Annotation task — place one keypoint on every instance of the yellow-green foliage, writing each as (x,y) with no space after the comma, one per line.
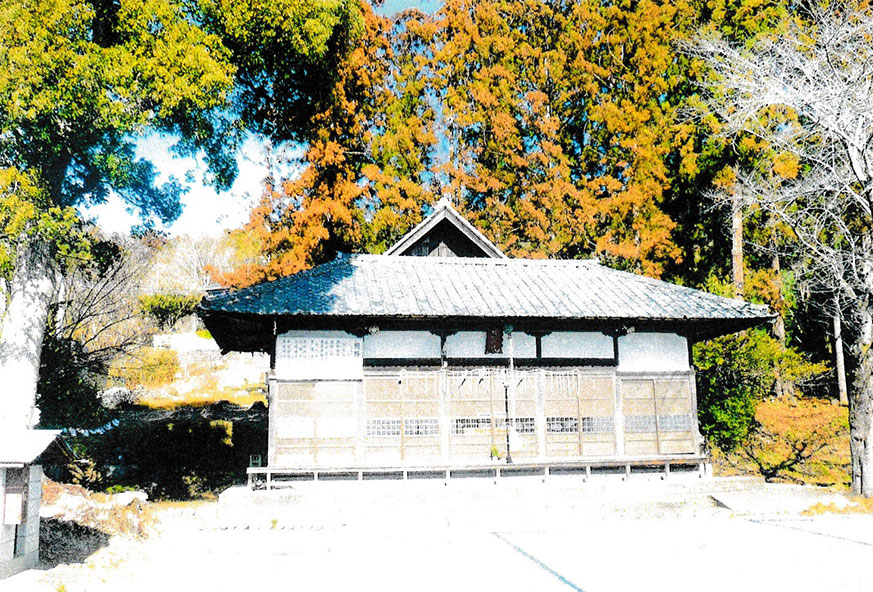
(147,367)
(79,80)
(205,334)
(25,209)
(166,309)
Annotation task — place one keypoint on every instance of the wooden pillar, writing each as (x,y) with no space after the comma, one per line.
(402,415)
(695,423)
(272,396)
(512,384)
(540,420)
(444,415)
(444,395)
(361,408)
(618,417)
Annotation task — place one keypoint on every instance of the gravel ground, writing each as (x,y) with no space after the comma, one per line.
(518,534)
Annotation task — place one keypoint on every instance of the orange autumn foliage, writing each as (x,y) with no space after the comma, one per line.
(360,187)
(556,128)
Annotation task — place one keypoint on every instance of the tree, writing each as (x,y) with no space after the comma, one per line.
(77,81)
(363,177)
(184,264)
(559,119)
(808,94)
(288,55)
(95,319)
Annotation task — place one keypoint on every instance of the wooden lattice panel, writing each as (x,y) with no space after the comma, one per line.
(402,417)
(579,414)
(315,423)
(658,416)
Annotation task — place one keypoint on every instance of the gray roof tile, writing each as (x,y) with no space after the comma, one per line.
(394,286)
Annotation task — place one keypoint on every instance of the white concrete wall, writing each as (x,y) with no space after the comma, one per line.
(575,344)
(348,364)
(402,344)
(652,352)
(10,565)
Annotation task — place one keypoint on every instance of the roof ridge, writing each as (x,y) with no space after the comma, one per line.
(475,260)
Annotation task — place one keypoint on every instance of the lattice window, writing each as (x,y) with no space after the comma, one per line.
(383,427)
(639,423)
(666,423)
(421,427)
(601,424)
(468,425)
(562,425)
(523,425)
(675,423)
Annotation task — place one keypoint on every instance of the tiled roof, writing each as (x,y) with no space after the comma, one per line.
(416,287)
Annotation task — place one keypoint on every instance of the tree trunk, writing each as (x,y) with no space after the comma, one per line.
(839,356)
(737,246)
(30,295)
(782,386)
(861,410)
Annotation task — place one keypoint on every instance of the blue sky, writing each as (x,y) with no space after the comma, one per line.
(394,6)
(205,211)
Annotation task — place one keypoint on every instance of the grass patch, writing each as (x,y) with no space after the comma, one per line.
(182,505)
(147,367)
(857,505)
(245,396)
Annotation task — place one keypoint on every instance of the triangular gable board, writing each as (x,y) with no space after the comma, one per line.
(445,233)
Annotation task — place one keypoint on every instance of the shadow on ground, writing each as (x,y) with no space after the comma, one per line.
(67,542)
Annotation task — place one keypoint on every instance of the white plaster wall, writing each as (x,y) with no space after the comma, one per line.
(326,367)
(471,344)
(402,344)
(652,352)
(576,344)
(523,345)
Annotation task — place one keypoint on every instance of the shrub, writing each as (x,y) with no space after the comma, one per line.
(167,309)
(734,373)
(67,390)
(804,442)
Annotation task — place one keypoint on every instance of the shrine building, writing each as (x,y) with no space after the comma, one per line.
(444,356)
